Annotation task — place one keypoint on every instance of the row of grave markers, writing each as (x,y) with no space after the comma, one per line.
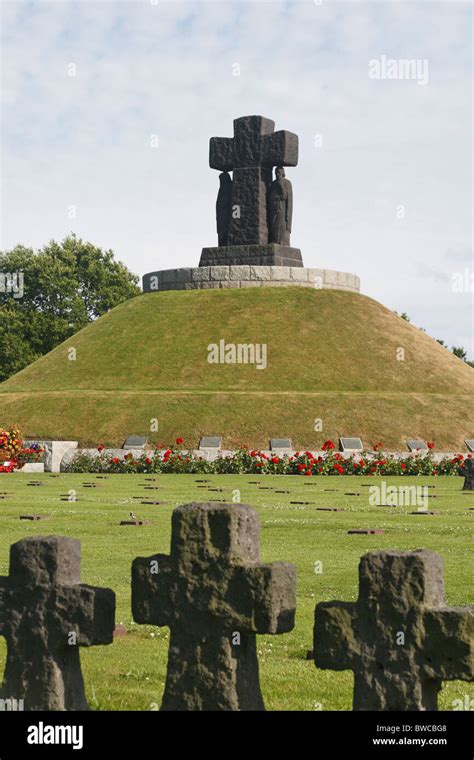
(283,444)
(399,638)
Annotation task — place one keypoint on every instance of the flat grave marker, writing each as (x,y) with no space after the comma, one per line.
(366,532)
(34,517)
(350,444)
(277,444)
(135,442)
(210,442)
(416,444)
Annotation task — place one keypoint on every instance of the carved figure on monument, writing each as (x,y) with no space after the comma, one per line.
(280,208)
(224,208)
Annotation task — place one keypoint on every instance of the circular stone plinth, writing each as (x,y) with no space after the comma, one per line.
(248,276)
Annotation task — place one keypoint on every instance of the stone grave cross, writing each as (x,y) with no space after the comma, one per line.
(251,154)
(46,614)
(398,638)
(468,475)
(215,596)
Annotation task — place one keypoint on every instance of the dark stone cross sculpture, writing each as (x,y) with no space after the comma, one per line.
(46,614)
(244,228)
(215,596)
(398,638)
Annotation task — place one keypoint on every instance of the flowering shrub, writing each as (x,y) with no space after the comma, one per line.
(10,444)
(257,462)
(32,454)
(13,452)
(328,445)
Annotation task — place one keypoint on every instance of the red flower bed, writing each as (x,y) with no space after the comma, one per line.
(331,463)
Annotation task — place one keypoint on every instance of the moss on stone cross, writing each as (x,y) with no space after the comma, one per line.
(215,596)
(46,614)
(398,638)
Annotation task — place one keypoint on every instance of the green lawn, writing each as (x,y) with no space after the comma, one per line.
(130,674)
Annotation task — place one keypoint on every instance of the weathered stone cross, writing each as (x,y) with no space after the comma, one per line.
(251,154)
(399,638)
(215,596)
(468,475)
(45,615)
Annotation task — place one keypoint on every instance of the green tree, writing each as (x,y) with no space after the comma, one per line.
(460,352)
(65,286)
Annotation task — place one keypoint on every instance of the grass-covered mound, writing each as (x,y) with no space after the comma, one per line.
(331,355)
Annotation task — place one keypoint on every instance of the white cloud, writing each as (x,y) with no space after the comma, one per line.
(167,69)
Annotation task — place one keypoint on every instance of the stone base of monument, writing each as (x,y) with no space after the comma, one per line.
(247,276)
(270,255)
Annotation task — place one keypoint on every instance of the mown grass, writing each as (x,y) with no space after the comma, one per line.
(130,673)
(332,355)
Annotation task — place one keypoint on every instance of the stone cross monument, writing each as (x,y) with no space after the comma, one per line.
(253,213)
(399,638)
(215,595)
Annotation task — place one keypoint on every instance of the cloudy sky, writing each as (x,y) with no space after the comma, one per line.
(383,185)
